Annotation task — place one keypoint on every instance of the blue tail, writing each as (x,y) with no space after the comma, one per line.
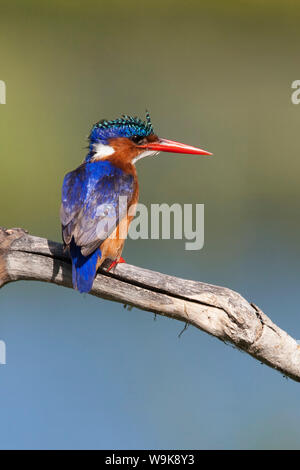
(83,268)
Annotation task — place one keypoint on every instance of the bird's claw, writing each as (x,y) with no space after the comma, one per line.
(114,263)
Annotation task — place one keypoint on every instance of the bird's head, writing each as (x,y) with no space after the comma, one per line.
(131,138)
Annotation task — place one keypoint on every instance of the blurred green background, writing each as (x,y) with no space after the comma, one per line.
(85,373)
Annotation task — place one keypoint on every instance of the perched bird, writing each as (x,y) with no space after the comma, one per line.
(93,219)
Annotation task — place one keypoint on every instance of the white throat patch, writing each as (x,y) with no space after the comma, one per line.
(102,150)
(147,153)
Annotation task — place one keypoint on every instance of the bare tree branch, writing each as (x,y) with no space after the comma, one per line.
(216,310)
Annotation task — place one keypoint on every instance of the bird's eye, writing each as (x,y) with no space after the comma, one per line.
(137,139)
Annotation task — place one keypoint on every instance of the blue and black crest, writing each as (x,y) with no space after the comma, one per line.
(126,126)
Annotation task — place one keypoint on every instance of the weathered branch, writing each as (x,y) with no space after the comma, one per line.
(216,310)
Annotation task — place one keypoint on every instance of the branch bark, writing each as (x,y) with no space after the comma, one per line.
(216,310)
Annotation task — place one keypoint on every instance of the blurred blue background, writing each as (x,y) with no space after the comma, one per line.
(86,373)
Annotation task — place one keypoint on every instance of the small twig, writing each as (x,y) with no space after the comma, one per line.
(183,329)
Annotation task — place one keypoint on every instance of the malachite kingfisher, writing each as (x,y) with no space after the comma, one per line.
(93,220)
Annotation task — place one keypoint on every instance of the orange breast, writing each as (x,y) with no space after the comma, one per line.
(113,246)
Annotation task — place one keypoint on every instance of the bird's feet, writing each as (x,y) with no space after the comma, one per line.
(114,263)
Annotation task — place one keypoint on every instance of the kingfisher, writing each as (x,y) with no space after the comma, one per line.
(100,196)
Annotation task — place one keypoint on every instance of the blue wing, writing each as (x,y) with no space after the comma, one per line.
(90,208)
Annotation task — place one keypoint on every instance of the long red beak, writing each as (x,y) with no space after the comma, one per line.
(164,145)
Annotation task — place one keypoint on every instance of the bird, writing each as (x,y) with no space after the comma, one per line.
(92,219)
